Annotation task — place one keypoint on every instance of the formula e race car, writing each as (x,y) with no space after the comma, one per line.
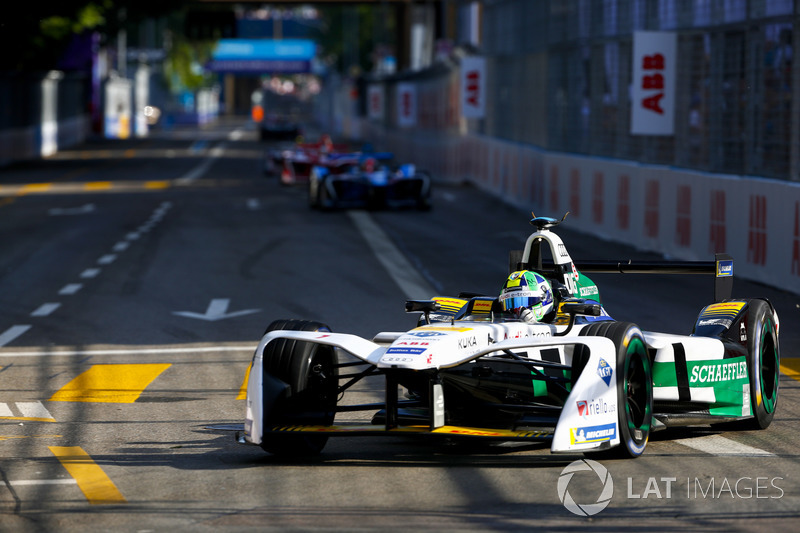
(577,379)
(368,182)
(294,163)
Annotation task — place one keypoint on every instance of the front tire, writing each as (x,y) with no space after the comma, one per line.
(311,373)
(763,363)
(634,383)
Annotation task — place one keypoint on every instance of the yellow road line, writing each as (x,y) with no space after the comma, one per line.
(156,184)
(791,367)
(243,389)
(10,437)
(93,482)
(97,185)
(35,188)
(111,383)
(28,418)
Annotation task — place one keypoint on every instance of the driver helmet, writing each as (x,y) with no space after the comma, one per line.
(326,144)
(369,164)
(528,295)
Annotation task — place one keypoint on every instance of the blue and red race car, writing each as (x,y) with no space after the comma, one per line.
(367,180)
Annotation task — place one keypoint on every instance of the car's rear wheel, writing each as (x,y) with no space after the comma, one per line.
(324,200)
(763,363)
(311,374)
(313,193)
(634,383)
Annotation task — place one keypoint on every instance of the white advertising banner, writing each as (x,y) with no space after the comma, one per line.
(653,83)
(473,87)
(406,105)
(118,108)
(375,102)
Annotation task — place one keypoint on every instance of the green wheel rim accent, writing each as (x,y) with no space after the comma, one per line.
(635,395)
(768,369)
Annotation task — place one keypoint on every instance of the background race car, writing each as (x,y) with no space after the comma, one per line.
(368,181)
(294,163)
(574,378)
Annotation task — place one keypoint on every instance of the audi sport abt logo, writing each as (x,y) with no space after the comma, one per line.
(584,488)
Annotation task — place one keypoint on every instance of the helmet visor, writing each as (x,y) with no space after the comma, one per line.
(515,302)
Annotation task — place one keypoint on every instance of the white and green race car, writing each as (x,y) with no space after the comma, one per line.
(580,380)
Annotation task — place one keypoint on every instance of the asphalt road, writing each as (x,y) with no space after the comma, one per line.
(137,276)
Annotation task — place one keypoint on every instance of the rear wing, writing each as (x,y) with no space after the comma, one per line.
(721,268)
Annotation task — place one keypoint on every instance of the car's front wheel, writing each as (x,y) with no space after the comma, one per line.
(311,374)
(634,383)
(763,363)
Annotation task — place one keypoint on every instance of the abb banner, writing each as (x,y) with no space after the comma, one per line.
(653,91)
(375,102)
(473,87)
(406,105)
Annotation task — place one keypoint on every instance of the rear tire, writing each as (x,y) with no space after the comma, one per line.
(634,382)
(311,374)
(763,364)
(324,201)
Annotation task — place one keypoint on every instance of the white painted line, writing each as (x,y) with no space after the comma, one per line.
(33,410)
(12,333)
(106,259)
(90,273)
(27,482)
(5,410)
(404,274)
(145,351)
(121,246)
(194,173)
(132,236)
(253,204)
(721,446)
(70,288)
(46,309)
(201,169)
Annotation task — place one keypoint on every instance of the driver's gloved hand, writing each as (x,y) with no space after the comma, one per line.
(528,316)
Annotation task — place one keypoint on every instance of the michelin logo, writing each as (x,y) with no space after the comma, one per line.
(587,435)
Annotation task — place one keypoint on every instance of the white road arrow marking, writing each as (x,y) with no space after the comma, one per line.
(216,311)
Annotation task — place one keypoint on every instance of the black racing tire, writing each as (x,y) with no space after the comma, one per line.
(634,383)
(311,373)
(424,203)
(313,194)
(324,201)
(763,364)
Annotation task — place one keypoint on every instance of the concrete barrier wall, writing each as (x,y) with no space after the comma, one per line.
(683,214)
(33,142)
